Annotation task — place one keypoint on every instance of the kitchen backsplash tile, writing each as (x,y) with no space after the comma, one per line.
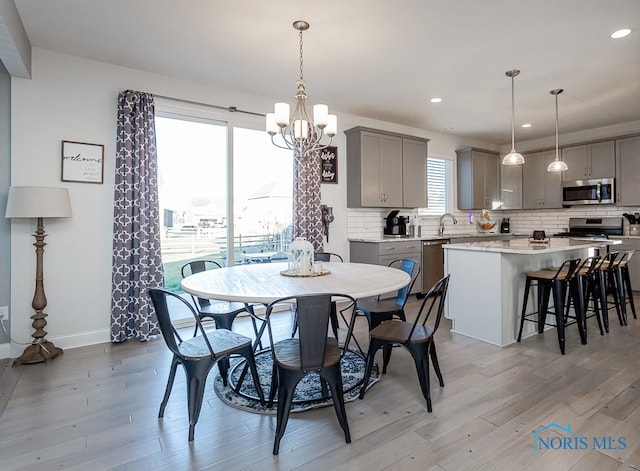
(369,222)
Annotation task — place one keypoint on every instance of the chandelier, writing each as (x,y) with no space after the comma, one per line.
(513,157)
(557,165)
(298,131)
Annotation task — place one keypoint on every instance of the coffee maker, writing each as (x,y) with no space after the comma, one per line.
(505,226)
(396,225)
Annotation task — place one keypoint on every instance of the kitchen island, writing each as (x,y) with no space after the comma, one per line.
(487,281)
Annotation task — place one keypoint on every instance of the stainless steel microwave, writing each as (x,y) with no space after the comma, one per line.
(593,191)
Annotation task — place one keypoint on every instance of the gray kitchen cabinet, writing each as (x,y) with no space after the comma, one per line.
(477,179)
(510,187)
(540,189)
(382,253)
(595,160)
(628,172)
(385,170)
(630,243)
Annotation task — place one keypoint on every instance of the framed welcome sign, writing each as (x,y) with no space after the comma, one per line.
(82,162)
(329,163)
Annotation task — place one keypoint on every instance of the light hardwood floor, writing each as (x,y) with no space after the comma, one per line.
(96,408)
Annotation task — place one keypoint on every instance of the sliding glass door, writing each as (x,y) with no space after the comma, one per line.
(224,190)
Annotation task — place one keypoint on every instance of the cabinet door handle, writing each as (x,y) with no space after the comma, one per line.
(390,248)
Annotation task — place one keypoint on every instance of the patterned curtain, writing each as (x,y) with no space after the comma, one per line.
(307,215)
(136,226)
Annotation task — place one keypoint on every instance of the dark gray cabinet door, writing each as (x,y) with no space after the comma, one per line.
(628,172)
(540,189)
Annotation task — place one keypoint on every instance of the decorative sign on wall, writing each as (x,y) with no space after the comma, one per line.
(329,157)
(82,162)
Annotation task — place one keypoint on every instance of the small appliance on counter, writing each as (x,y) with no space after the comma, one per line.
(396,226)
(505,227)
(634,223)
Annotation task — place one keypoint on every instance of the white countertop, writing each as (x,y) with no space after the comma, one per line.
(523,246)
(382,239)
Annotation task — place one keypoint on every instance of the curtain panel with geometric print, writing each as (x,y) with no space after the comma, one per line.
(137,263)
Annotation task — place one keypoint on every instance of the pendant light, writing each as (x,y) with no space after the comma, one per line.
(512,158)
(557,165)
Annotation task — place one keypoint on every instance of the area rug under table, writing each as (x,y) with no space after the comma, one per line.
(308,393)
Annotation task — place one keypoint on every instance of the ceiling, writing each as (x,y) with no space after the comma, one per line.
(378,59)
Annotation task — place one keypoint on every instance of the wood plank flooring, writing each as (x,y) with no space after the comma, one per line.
(96,408)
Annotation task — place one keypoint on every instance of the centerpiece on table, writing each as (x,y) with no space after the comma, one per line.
(301,260)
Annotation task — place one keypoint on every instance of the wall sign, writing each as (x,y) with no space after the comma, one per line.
(82,162)
(329,159)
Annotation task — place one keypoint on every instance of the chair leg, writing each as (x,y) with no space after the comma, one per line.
(286,387)
(167,391)
(619,282)
(196,372)
(374,345)
(333,376)
(612,288)
(421,359)
(591,293)
(386,357)
(577,294)
(436,365)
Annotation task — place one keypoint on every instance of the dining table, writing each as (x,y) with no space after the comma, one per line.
(262,283)
(266,282)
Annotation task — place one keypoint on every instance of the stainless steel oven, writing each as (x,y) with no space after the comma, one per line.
(594,191)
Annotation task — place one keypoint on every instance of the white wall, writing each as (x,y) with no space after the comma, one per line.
(69,98)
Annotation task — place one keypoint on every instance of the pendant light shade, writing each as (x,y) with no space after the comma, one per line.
(557,165)
(513,157)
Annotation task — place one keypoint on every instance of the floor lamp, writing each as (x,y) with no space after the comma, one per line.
(38,202)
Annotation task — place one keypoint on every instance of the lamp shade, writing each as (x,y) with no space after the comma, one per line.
(38,202)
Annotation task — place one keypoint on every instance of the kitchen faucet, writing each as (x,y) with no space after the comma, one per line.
(441,228)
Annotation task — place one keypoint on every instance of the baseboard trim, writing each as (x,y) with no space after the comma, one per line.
(5,350)
(83,339)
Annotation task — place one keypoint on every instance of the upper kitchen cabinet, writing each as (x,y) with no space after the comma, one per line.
(477,179)
(510,186)
(628,171)
(385,170)
(540,189)
(596,160)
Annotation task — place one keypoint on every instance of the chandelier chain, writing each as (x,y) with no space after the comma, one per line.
(301,76)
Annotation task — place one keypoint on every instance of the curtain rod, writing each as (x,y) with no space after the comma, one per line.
(231,109)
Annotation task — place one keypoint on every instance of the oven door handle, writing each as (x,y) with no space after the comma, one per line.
(599,191)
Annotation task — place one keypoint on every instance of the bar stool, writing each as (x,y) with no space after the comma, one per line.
(588,285)
(558,284)
(623,284)
(608,285)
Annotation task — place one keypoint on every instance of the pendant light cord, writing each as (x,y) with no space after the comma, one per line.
(513,116)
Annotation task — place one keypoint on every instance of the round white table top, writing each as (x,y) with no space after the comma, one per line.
(263,283)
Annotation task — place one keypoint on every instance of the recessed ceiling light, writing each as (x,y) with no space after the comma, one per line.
(526,125)
(621,33)
(436,100)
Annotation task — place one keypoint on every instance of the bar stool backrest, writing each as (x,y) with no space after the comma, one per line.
(567,270)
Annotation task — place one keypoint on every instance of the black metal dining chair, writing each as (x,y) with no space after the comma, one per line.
(417,337)
(197,355)
(223,313)
(313,351)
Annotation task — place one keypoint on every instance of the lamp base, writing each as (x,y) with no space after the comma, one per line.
(38,353)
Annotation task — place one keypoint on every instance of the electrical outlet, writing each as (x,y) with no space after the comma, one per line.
(4,312)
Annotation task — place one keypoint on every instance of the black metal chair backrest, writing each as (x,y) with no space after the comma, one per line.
(567,270)
(433,302)
(198,266)
(412,268)
(326,257)
(312,314)
(159,299)
(589,266)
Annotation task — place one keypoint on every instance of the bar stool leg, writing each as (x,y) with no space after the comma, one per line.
(576,288)
(527,287)
(558,305)
(602,292)
(627,283)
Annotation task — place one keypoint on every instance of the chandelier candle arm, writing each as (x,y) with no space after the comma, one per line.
(513,157)
(297,131)
(557,165)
